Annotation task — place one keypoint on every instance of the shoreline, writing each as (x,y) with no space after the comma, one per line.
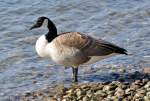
(136,90)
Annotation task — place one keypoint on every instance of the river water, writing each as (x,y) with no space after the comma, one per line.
(123,22)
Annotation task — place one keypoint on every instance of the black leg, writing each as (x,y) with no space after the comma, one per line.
(75,74)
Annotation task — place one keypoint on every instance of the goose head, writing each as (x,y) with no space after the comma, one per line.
(46,22)
(41,22)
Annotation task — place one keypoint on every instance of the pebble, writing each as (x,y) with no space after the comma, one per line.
(144,81)
(101,94)
(79,92)
(146,98)
(146,70)
(86,98)
(120,92)
(51,99)
(109,87)
(111,93)
(148,94)
(147,85)
(89,93)
(137,82)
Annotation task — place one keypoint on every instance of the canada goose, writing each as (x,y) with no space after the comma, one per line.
(72,48)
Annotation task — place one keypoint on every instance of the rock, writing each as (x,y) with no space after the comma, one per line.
(139,99)
(130,91)
(101,93)
(148,94)
(70,91)
(98,87)
(129,98)
(148,89)
(89,93)
(146,70)
(123,86)
(69,98)
(138,95)
(86,98)
(106,88)
(84,87)
(120,98)
(119,92)
(137,82)
(99,97)
(141,91)
(144,81)
(108,99)
(109,87)
(94,98)
(114,98)
(111,93)
(64,100)
(79,98)
(39,93)
(136,85)
(146,98)
(52,99)
(125,99)
(109,96)
(78,92)
(147,85)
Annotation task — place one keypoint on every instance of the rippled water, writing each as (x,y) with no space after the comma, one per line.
(123,22)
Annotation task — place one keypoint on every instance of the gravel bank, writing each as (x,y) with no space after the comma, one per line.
(138,90)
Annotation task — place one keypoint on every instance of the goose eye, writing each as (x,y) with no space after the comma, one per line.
(39,22)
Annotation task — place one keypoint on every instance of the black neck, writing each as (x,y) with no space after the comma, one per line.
(52,33)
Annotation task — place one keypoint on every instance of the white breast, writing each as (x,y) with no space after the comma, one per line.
(40,46)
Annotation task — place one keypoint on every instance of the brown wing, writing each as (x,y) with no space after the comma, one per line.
(72,39)
(88,45)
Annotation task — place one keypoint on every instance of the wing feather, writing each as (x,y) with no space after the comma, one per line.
(88,45)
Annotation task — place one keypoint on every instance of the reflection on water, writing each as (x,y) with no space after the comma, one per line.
(123,22)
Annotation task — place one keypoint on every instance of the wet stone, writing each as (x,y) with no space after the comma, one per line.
(137,82)
(111,93)
(146,98)
(86,98)
(109,87)
(147,85)
(101,93)
(120,92)
(148,94)
(144,81)
(146,70)
(89,93)
(52,99)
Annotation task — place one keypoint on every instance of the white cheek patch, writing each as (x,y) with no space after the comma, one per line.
(45,23)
